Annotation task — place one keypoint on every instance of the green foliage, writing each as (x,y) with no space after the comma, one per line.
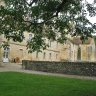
(52,19)
(4,45)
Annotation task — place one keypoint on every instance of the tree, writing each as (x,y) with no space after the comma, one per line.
(52,19)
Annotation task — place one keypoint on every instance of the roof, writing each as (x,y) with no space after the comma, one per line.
(77,40)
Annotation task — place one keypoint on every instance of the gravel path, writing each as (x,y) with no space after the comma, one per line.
(18,68)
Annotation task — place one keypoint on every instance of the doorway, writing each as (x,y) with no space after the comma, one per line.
(5,54)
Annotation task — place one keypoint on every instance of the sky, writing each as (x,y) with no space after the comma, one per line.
(90,1)
(92,19)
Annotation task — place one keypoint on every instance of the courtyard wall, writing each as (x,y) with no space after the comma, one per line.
(74,68)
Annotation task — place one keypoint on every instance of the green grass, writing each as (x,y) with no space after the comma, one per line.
(22,84)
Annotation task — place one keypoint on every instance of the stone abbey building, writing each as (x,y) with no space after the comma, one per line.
(71,50)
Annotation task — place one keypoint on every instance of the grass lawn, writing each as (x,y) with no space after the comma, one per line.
(22,84)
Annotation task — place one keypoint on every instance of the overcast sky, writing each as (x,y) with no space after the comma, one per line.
(90,1)
(92,19)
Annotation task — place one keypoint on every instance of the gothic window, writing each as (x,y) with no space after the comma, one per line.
(79,54)
(89,52)
(50,55)
(36,54)
(44,55)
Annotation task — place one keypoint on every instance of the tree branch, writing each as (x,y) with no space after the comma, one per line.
(26,2)
(59,8)
(32,2)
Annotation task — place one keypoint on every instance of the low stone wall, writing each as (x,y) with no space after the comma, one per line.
(76,68)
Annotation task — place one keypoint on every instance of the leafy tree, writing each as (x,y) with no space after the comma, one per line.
(52,19)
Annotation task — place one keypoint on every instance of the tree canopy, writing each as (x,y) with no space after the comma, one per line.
(52,19)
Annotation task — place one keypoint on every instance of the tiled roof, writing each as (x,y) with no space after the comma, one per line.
(77,41)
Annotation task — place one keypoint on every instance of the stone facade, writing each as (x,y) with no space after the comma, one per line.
(86,50)
(71,50)
(18,51)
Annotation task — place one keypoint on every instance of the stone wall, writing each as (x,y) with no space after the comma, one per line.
(75,68)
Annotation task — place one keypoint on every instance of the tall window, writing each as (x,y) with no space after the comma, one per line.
(56,56)
(89,51)
(79,54)
(6,51)
(44,55)
(57,44)
(49,43)
(30,36)
(36,54)
(50,55)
